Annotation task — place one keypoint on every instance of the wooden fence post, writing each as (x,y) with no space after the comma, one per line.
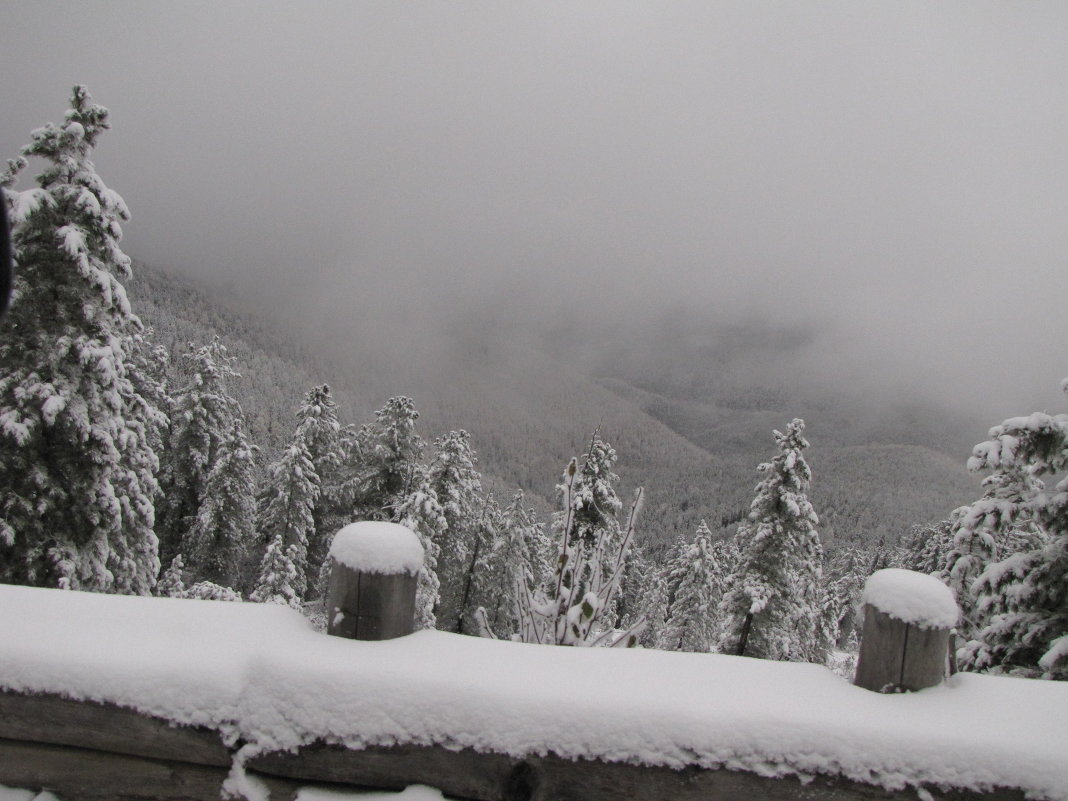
(905,638)
(374,570)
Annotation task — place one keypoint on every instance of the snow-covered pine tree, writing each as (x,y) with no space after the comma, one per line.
(458,486)
(594,498)
(573,607)
(1023,599)
(171,584)
(481,588)
(420,512)
(148,374)
(672,571)
(771,605)
(653,608)
(286,521)
(203,417)
(278,580)
(926,548)
(691,621)
(847,571)
(508,561)
(210,591)
(637,572)
(318,423)
(989,531)
(224,526)
(380,460)
(77,466)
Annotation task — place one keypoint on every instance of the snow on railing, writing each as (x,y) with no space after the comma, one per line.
(105,696)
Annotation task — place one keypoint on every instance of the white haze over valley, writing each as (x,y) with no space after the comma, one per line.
(888,178)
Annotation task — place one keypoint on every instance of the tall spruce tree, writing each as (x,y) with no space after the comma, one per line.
(278,580)
(207,425)
(286,521)
(224,526)
(771,607)
(458,486)
(318,424)
(1023,599)
(507,563)
(990,530)
(421,513)
(380,462)
(77,468)
(692,619)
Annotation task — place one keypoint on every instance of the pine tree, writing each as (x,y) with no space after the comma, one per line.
(575,605)
(653,608)
(458,487)
(380,461)
(278,581)
(588,517)
(927,548)
(594,500)
(286,520)
(987,532)
(847,571)
(76,461)
(318,424)
(204,418)
(1023,599)
(224,526)
(506,565)
(637,572)
(171,584)
(691,620)
(420,512)
(771,606)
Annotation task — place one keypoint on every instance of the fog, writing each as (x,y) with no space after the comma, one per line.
(892,177)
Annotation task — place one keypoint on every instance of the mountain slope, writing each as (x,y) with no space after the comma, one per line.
(528,412)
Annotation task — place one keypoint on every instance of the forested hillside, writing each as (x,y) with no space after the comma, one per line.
(529,412)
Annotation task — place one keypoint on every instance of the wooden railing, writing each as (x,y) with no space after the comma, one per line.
(85,750)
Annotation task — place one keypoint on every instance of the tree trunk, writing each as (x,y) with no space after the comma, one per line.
(744,639)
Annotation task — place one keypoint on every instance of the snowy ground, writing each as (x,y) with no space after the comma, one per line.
(260,672)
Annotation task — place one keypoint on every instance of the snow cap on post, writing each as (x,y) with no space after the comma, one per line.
(911,597)
(374,571)
(376,547)
(905,641)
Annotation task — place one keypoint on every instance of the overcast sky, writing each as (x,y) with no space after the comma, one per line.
(896,173)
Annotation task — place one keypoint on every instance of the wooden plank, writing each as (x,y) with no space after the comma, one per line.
(462,774)
(924,663)
(369,606)
(882,648)
(78,774)
(496,777)
(50,718)
(387,606)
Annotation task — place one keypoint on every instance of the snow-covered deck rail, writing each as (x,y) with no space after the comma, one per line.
(108,696)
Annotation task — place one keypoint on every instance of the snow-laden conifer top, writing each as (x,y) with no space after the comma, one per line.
(912,597)
(374,547)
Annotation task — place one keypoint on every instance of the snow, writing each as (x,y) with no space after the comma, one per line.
(912,597)
(415,792)
(373,547)
(15,794)
(258,672)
